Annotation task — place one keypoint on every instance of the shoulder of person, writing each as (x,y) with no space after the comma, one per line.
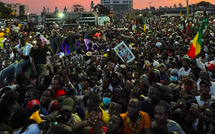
(172,123)
(30,45)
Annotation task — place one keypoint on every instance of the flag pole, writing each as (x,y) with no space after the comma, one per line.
(187,9)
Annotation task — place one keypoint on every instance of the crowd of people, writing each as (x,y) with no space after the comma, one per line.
(70,80)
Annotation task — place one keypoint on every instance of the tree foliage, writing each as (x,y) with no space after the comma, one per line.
(102,9)
(22,17)
(152,8)
(204,3)
(5,11)
(78,8)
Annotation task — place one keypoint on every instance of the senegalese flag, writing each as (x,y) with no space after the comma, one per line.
(12,13)
(189,25)
(180,13)
(196,45)
(144,26)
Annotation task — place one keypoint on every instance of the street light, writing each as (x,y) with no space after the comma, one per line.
(61,15)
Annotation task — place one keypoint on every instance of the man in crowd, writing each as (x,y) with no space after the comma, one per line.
(20,57)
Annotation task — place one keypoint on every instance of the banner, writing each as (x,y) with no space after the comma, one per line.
(124,52)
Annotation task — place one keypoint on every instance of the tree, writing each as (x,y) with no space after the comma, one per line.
(5,11)
(160,7)
(204,3)
(180,5)
(175,6)
(78,8)
(152,8)
(102,9)
(22,17)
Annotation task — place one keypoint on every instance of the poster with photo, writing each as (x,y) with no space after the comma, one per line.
(124,52)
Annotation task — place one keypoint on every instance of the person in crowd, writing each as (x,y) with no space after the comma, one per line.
(59,129)
(205,97)
(47,101)
(20,122)
(8,104)
(56,86)
(66,115)
(38,59)
(185,70)
(174,76)
(106,104)
(78,57)
(155,94)
(55,42)
(93,105)
(71,41)
(162,112)
(20,57)
(135,121)
(21,87)
(31,94)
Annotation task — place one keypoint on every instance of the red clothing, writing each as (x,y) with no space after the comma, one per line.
(53,106)
(59,93)
(104,130)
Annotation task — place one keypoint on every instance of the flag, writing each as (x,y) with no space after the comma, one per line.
(189,26)
(180,13)
(144,27)
(196,45)
(12,13)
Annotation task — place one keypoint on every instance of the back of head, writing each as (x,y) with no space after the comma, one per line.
(95,98)
(160,130)
(9,97)
(59,129)
(47,80)
(20,79)
(18,118)
(78,50)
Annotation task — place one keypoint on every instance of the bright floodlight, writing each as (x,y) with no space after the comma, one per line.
(61,15)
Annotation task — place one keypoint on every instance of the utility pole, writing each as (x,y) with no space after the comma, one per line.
(187,9)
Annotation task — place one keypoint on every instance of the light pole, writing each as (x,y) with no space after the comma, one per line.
(187,9)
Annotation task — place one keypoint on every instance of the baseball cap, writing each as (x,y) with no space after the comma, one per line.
(67,104)
(32,103)
(174,71)
(186,57)
(205,81)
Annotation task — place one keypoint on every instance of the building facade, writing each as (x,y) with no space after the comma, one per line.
(18,8)
(118,5)
(23,9)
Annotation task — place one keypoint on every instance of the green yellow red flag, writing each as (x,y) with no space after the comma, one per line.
(144,27)
(196,45)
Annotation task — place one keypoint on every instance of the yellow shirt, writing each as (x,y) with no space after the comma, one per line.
(145,122)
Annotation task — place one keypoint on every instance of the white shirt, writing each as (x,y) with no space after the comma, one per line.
(199,100)
(182,73)
(25,51)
